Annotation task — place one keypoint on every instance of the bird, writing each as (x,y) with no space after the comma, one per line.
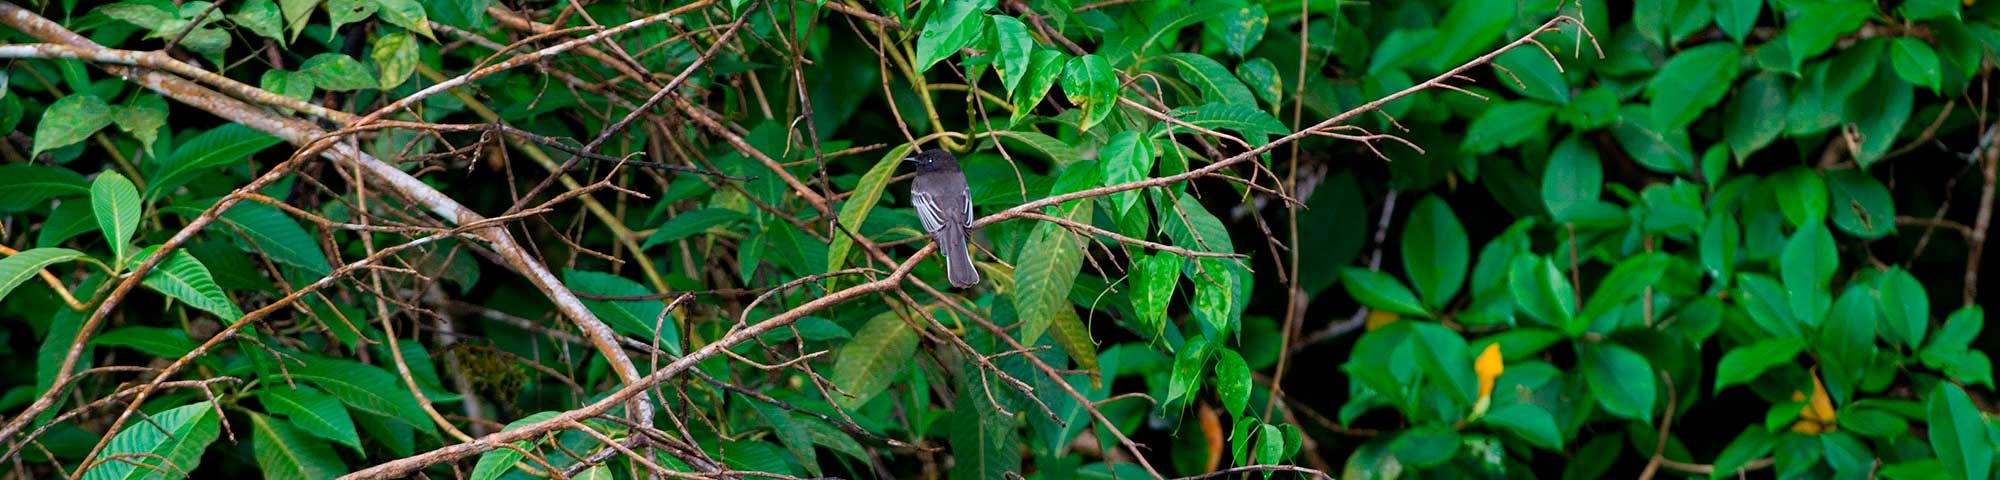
(944,204)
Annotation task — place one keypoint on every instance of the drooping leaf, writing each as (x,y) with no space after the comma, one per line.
(1090,83)
(1049,264)
(1621,379)
(881,349)
(116,203)
(1691,82)
(855,210)
(1958,433)
(184,278)
(213,148)
(69,120)
(19,267)
(173,437)
(283,452)
(1380,291)
(313,411)
(1439,253)
(1745,363)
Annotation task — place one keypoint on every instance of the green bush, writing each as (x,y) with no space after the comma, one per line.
(1219,238)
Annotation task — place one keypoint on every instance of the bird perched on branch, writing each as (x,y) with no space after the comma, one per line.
(944,203)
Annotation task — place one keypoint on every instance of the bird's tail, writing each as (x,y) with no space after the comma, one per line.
(957,259)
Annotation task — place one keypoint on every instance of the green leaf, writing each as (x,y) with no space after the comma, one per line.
(282,452)
(1016,48)
(1500,126)
(1801,195)
(1743,364)
(142,119)
(1906,309)
(955,25)
(116,203)
(1807,265)
(1720,241)
(1691,82)
(1630,278)
(408,14)
(1539,76)
(855,210)
(184,278)
(1446,361)
(217,147)
(1436,254)
(1958,433)
(1128,157)
(1153,280)
(1044,67)
(1541,291)
(1257,126)
(688,224)
(1915,62)
(24,186)
(1055,150)
(69,120)
(339,73)
(1217,85)
(1261,77)
(277,236)
(1073,336)
(1861,205)
(1090,83)
(261,17)
(1243,28)
(1753,443)
(364,387)
(1185,378)
(18,268)
(1621,379)
(1846,343)
(1232,382)
(155,341)
(1813,29)
(1425,446)
(1751,121)
(1735,17)
(1048,266)
(396,55)
(173,437)
(500,461)
(1574,176)
(876,356)
(1768,304)
(1379,291)
(1530,422)
(790,432)
(984,441)
(1270,446)
(1869,422)
(636,318)
(1664,150)
(309,409)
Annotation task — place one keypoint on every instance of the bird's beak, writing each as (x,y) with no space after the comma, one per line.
(909,159)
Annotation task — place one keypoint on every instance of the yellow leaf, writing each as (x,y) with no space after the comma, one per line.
(1378,318)
(1488,367)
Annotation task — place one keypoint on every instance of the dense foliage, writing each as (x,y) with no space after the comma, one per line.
(1296,238)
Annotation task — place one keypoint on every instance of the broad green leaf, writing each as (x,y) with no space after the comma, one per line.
(984,442)
(1092,85)
(1691,82)
(1538,75)
(1016,48)
(142,119)
(691,223)
(1500,126)
(1753,117)
(1928,9)
(1218,290)
(1379,291)
(1261,77)
(342,12)
(1882,118)
(19,267)
(283,452)
(1468,29)
(155,341)
(275,234)
(1243,28)
(1059,153)
(1425,446)
(1755,442)
(1815,28)
(261,17)
(1743,364)
(1958,433)
(311,410)
(790,432)
(1044,68)
(1446,361)
(1216,83)
(645,320)
(116,203)
(1232,382)
(24,186)
(1436,254)
(1915,62)
(876,356)
(1660,149)
(1807,265)
(1720,241)
(1528,421)
(363,387)
(231,143)
(1861,205)
(1185,378)
(1846,343)
(1128,157)
(1870,422)
(184,278)
(500,461)
(1629,279)
(173,437)
(1801,195)
(69,120)
(855,210)
(1073,336)
(1906,309)
(1270,446)
(954,25)
(1541,291)
(1768,304)
(1735,17)
(396,55)
(1153,278)
(1256,126)
(339,73)
(1573,177)
(408,14)
(1044,272)
(1621,379)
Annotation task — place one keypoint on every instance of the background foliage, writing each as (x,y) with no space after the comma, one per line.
(1691,237)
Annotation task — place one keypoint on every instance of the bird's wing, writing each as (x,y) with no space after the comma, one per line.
(927,210)
(968,210)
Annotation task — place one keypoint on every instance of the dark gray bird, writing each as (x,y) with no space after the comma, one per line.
(944,203)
